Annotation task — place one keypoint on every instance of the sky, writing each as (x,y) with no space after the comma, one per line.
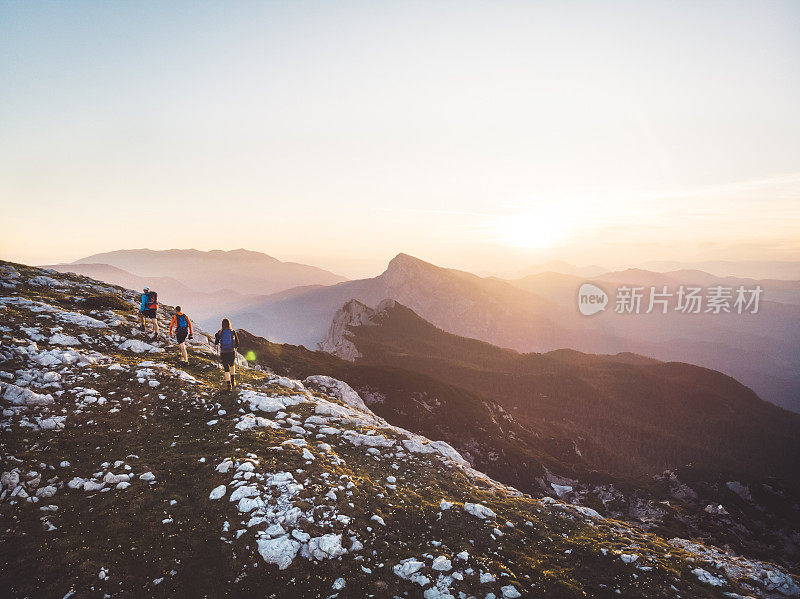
(478,135)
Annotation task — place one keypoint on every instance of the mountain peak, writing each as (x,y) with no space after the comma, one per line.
(405,273)
(239,254)
(386,305)
(337,341)
(404,261)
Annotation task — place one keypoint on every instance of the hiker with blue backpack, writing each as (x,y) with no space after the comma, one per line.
(183,328)
(149,309)
(227,342)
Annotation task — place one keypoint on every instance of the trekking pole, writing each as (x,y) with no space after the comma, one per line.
(221,369)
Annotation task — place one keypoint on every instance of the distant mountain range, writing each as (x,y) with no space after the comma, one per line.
(753,269)
(748,269)
(758,349)
(241,271)
(564,268)
(123,278)
(539,313)
(206,284)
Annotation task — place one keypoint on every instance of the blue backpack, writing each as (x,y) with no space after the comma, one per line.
(226,340)
(183,322)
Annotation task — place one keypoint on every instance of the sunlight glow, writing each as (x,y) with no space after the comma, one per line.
(531,230)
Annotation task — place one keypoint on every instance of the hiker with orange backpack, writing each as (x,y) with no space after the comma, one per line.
(183,328)
(227,342)
(149,309)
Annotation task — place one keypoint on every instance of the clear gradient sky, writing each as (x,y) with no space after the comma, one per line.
(472,134)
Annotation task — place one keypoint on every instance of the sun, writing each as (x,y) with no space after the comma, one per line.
(531,230)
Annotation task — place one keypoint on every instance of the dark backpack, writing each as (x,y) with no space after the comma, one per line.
(152,300)
(183,322)
(226,340)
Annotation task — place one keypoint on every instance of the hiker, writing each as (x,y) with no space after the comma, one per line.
(183,328)
(148,310)
(227,341)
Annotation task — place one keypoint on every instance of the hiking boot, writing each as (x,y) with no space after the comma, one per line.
(230,387)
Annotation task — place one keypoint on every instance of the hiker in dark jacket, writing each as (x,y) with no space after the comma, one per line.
(227,341)
(183,328)
(149,309)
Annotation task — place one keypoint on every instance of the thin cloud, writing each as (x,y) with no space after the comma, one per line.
(431,211)
(728,189)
